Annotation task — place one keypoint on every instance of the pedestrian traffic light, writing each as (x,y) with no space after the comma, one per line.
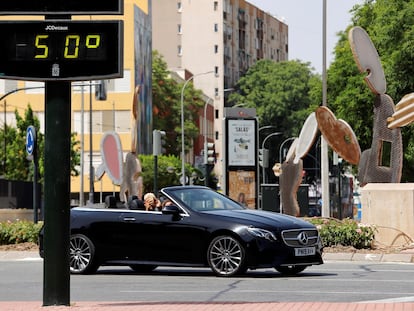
(210,153)
(264,157)
(158,142)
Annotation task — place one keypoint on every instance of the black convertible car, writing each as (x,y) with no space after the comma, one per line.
(200,228)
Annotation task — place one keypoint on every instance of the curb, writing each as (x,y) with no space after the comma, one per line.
(400,257)
(18,255)
(403,257)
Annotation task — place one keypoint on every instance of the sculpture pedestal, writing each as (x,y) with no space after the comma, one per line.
(391,208)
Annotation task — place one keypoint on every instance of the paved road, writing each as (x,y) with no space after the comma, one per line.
(366,285)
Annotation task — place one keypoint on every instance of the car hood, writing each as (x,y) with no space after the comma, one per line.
(264,219)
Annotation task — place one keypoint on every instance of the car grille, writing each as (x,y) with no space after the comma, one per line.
(300,237)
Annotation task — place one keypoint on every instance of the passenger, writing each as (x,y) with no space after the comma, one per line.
(151,202)
(167,202)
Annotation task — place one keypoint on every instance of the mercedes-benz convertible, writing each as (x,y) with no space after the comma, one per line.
(199,228)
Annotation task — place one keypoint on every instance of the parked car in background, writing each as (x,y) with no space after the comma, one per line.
(199,228)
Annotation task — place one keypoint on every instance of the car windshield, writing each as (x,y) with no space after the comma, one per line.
(202,199)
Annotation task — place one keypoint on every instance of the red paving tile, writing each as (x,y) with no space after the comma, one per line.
(214,306)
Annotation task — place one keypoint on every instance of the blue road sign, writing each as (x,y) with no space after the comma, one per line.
(30,140)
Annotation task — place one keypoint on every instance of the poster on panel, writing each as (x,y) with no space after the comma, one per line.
(241,142)
(242,187)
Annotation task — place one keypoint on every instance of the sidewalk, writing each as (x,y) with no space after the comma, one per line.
(196,306)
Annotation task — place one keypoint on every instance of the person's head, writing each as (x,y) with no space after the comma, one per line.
(167,202)
(150,201)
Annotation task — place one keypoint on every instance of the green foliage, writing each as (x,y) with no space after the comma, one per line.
(166,100)
(333,232)
(347,232)
(283,93)
(16,166)
(169,171)
(389,25)
(19,232)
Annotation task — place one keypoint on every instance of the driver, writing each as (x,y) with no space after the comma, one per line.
(151,202)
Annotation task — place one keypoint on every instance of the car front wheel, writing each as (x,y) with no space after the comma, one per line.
(226,256)
(290,270)
(82,255)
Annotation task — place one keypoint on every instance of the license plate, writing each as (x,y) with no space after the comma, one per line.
(305,251)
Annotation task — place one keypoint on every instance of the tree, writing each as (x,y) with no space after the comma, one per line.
(283,93)
(389,25)
(166,99)
(169,167)
(16,166)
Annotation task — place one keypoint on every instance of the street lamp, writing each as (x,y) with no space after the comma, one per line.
(281,148)
(263,144)
(324,145)
(182,123)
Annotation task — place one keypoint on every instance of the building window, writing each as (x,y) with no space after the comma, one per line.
(216,91)
(179,50)
(215,48)
(179,29)
(179,7)
(215,5)
(216,71)
(216,27)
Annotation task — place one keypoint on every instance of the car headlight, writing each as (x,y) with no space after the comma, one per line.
(262,233)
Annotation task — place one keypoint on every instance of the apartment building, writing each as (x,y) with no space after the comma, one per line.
(217,41)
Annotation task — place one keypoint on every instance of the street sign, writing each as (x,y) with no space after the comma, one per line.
(72,7)
(61,50)
(31,140)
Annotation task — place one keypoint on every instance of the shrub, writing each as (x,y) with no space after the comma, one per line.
(347,232)
(19,232)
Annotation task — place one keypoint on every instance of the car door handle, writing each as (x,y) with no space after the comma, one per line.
(129,219)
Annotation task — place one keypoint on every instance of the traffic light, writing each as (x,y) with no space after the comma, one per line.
(209,153)
(100,90)
(264,157)
(158,142)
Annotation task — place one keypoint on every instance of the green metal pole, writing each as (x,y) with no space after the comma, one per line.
(155,174)
(35,187)
(56,282)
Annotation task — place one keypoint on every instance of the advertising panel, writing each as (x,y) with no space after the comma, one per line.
(241,142)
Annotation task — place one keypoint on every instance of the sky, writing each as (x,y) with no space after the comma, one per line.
(304,18)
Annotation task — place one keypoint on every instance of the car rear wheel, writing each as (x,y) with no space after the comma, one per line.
(82,255)
(290,270)
(226,256)
(143,268)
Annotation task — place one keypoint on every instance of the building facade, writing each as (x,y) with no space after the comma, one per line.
(217,41)
(91,118)
(211,42)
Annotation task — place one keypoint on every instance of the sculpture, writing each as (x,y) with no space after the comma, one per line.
(125,174)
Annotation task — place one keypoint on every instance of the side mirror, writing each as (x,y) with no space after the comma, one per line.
(171,210)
